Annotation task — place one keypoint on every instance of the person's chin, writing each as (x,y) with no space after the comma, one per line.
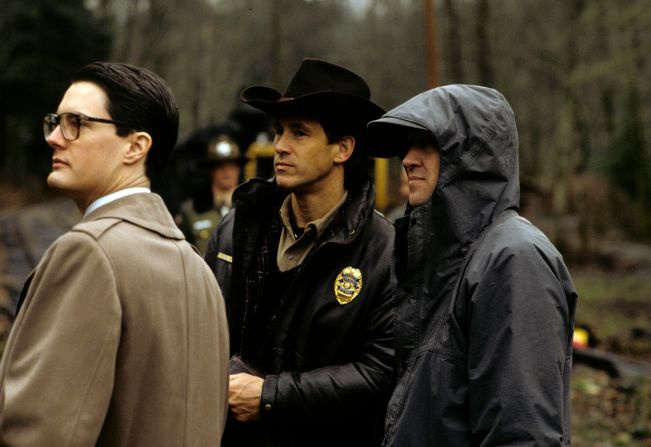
(56,182)
(417,199)
(283,181)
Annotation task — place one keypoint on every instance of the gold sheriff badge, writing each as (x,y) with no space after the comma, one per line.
(348,285)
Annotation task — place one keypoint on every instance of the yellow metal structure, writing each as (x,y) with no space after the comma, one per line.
(260,157)
(381,177)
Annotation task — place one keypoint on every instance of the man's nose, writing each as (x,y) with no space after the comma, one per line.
(409,161)
(55,139)
(280,144)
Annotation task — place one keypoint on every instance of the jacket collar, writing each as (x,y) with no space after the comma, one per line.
(255,197)
(146,210)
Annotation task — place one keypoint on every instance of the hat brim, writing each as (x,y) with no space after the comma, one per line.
(387,137)
(241,161)
(342,104)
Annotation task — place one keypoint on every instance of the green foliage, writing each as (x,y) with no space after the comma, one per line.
(612,411)
(564,66)
(44,43)
(609,411)
(613,304)
(628,160)
(628,164)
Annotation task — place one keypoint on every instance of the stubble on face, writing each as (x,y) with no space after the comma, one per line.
(422,165)
(302,158)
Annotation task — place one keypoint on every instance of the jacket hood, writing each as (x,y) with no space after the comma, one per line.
(477,137)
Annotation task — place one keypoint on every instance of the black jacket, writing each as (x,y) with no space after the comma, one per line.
(485,305)
(327,366)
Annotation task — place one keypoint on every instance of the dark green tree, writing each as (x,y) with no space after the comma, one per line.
(43,43)
(628,165)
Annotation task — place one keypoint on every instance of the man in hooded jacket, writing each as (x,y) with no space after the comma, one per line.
(485,305)
(305,264)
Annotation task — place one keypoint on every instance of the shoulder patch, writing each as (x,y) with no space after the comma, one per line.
(225,257)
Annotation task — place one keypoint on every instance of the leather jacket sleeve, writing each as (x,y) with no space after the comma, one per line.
(352,387)
(219,254)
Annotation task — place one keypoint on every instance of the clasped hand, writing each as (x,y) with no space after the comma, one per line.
(244,395)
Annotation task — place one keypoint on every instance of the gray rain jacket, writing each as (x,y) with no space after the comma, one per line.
(485,304)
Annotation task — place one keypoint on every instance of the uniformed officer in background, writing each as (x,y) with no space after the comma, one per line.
(200,214)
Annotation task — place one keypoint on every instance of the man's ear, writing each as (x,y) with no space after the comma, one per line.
(345,148)
(140,143)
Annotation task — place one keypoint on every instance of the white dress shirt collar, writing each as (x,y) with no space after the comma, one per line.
(114,196)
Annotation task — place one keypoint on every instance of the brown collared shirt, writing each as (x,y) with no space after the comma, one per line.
(292,250)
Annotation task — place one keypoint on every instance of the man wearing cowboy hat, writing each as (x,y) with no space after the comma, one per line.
(303,262)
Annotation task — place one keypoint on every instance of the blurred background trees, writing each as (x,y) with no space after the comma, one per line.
(42,43)
(576,73)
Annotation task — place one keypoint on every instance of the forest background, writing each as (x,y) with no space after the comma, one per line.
(576,73)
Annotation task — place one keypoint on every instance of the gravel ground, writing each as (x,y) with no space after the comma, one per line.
(609,412)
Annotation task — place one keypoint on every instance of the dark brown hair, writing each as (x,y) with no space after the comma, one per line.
(142,99)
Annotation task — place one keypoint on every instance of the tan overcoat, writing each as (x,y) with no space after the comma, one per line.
(121,339)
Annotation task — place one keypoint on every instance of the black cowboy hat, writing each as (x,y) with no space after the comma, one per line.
(317,87)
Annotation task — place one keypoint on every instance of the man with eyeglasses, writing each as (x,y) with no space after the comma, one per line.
(120,337)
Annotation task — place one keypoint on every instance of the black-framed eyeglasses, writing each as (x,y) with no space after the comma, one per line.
(70,123)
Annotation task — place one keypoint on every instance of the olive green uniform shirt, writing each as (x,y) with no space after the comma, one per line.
(292,248)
